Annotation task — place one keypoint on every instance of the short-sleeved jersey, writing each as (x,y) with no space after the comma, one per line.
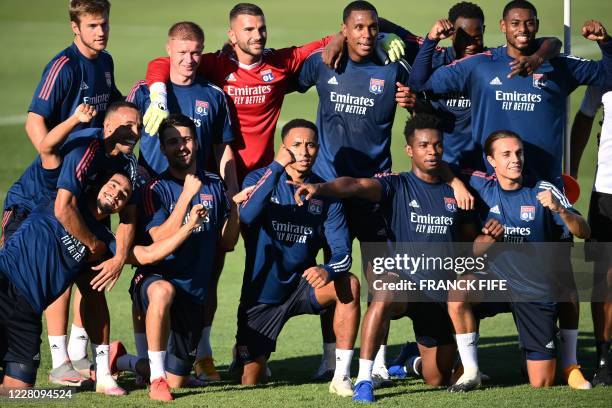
(256,94)
(41,259)
(35,185)
(355,115)
(417,211)
(189,268)
(519,211)
(71,79)
(282,239)
(525,220)
(85,161)
(518,103)
(203,102)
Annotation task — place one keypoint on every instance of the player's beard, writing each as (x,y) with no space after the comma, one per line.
(244,47)
(106,209)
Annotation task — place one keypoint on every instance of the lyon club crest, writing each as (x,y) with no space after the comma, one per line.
(201,108)
(527,212)
(207,200)
(315,206)
(539,81)
(267,75)
(450,204)
(377,86)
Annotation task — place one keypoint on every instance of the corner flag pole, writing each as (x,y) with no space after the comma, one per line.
(567,39)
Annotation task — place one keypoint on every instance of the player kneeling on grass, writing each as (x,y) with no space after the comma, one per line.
(41,260)
(529,211)
(172,291)
(282,278)
(406,198)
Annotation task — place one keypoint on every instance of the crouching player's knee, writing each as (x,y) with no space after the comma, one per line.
(19,375)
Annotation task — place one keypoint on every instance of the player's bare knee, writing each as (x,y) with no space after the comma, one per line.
(161,292)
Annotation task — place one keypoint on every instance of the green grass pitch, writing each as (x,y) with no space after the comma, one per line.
(32,32)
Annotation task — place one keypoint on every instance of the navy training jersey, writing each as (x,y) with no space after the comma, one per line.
(85,161)
(35,185)
(203,102)
(71,79)
(418,211)
(282,239)
(527,268)
(520,103)
(454,111)
(355,115)
(519,211)
(41,259)
(191,265)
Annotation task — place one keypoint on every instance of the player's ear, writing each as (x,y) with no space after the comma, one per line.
(537,25)
(343,29)
(75,28)
(502,26)
(168,47)
(232,36)
(491,161)
(409,150)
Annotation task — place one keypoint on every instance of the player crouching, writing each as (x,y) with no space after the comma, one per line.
(28,284)
(282,278)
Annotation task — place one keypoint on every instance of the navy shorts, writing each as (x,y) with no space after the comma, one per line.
(536,323)
(260,324)
(431,323)
(600,217)
(186,323)
(20,330)
(365,220)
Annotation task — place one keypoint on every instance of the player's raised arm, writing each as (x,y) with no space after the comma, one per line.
(556,202)
(548,48)
(264,181)
(422,68)
(342,187)
(157,251)
(50,144)
(172,224)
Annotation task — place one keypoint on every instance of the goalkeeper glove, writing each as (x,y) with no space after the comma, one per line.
(390,47)
(157,110)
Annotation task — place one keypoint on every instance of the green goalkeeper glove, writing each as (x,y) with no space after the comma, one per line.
(156,112)
(392,46)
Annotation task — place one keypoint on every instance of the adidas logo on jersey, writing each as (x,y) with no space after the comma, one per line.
(495,210)
(333,81)
(414,204)
(83,86)
(551,345)
(495,81)
(231,77)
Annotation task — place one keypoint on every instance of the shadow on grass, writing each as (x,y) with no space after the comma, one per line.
(499,357)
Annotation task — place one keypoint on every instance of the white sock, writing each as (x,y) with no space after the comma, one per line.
(101,354)
(77,344)
(127,362)
(343,363)
(569,342)
(59,354)
(329,355)
(141,345)
(365,370)
(156,362)
(379,360)
(467,344)
(204,348)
